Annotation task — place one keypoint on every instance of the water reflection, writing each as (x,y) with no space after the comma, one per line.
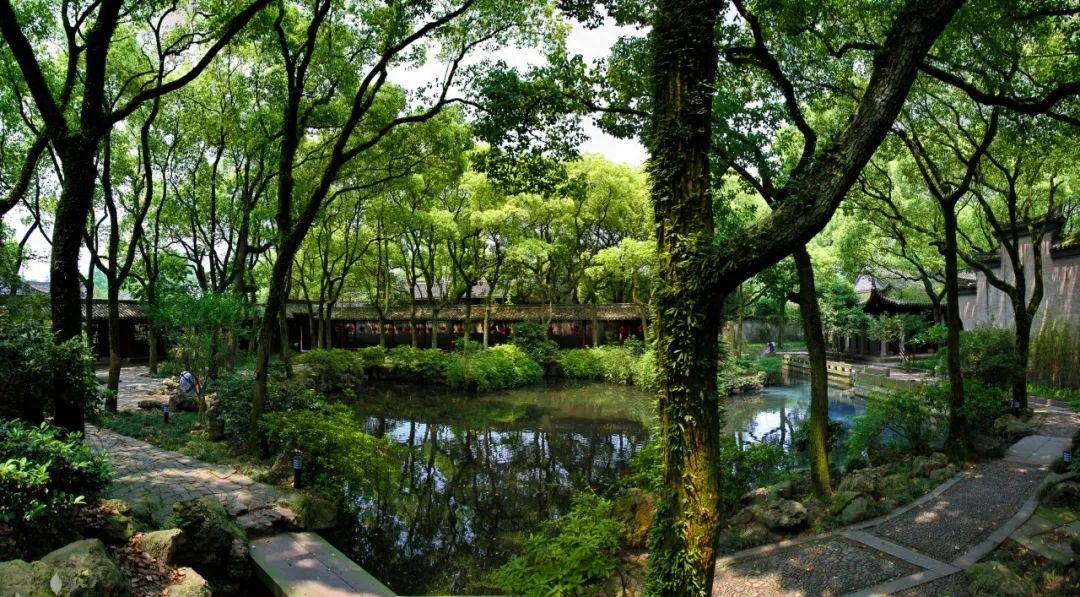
(478,473)
(774,414)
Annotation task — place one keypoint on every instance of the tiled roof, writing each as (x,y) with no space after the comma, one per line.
(498,312)
(128,310)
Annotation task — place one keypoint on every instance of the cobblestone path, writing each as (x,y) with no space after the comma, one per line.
(149,478)
(919,549)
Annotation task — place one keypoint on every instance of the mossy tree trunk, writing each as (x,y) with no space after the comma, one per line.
(819,375)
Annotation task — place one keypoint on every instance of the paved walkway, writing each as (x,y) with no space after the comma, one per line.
(920,549)
(149,478)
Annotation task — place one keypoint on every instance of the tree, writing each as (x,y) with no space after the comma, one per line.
(78,103)
(334,65)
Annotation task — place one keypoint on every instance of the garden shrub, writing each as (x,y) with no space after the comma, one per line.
(234,392)
(754,465)
(332,371)
(983,404)
(571,555)
(617,363)
(800,440)
(429,364)
(43,473)
(907,421)
(580,363)
(988,355)
(31,360)
(496,368)
(337,456)
(531,337)
(371,356)
(645,372)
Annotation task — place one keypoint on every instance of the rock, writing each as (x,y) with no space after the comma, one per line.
(859,509)
(780,514)
(84,568)
(163,545)
(782,490)
(944,474)
(841,499)
(994,578)
(896,486)
(986,446)
(215,429)
(635,509)
(181,402)
(151,404)
(1062,494)
(1012,428)
(208,535)
(923,466)
(861,481)
(1074,543)
(26,578)
(238,566)
(269,521)
(191,585)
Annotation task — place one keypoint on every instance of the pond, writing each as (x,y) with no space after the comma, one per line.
(774,413)
(478,473)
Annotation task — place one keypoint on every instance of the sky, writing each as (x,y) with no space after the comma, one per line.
(591,44)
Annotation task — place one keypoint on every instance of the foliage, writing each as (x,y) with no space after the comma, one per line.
(988,355)
(737,375)
(800,440)
(178,436)
(200,328)
(31,362)
(645,376)
(934,335)
(332,371)
(337,456)
(43,473)
(1055,355)
(371,356)
(571,555)
(909,420)
(895,328)
(752,465)
(531,337)
(983,404)
(424,363)
(234,392)
(495,368)
(617,364)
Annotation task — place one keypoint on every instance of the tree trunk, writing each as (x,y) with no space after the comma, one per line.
(819,376)
(71,215)
(688,518)
(956,443)
(1023,354)
(114,347)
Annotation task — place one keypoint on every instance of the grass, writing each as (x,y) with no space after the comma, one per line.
(183,435)
(1071,395)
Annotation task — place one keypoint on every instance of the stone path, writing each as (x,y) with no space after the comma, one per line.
(152,479)
(919,549)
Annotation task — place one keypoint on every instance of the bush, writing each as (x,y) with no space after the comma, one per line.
(496,368)
(531,337)
(234,394)
(43,474)
(428,364)
(983,404)
(31,360)
(580,363)
(371,356)
(754,465)
(337,456)
(645,372)
(571,555)
(910,421)
(332,371)
(800,440)
(988,355)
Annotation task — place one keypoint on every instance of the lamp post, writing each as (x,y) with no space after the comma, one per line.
(165,413)
(297,468)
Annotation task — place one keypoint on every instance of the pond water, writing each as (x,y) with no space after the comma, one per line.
(478,473)
(774,413)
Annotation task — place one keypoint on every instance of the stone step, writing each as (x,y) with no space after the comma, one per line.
(304,564)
